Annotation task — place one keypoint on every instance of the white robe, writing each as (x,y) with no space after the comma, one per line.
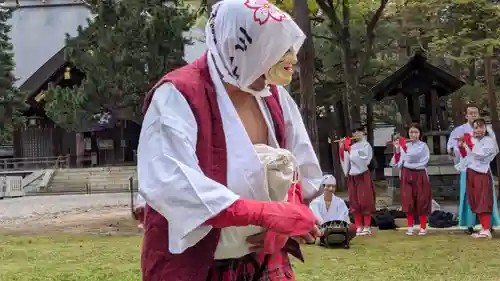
(416,156)
(357,160)
(338,209)
(171,181)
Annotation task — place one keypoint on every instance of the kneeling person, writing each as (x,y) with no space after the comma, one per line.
(333,214)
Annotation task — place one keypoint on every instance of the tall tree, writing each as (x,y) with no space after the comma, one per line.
(306,72)
(12,101)
(342,16)
(124,51)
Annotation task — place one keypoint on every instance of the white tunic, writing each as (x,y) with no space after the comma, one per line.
(338,209)
(357,160)
(416,156)
(171,181)
(481,155)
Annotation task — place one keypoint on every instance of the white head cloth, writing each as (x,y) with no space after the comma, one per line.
(245,38)
(330,180)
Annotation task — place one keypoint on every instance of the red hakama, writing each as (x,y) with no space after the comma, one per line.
(361,192)
(246,268)
(416,192)
(479,189)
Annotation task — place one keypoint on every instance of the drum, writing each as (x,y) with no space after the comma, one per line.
(335,234)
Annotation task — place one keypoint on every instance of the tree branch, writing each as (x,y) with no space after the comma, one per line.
(370,34)
(331,13)
(323,37)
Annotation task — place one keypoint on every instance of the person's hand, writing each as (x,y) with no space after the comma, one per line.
(309,237)
(267,242)
(461,143)
(287,218)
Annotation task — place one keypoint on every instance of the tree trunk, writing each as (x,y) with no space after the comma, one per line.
(335,134)
(306,72)
(492,101)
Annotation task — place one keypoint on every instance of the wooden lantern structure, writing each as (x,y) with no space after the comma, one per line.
(417,88)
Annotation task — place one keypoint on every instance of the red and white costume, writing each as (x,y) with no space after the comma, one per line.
(355,158)
(200,174)
(416,192)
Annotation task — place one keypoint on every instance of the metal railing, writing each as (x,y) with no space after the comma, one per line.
(28,163)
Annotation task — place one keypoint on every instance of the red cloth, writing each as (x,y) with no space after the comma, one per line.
(245,268)
(358,220)
(423,222)
(410,219)
(468,140)
(347,144)
(479,191)
(416,192)
(463,151)
(397,156)
(341,152)
(157,263)
(403,144)
(281,217)
(485,220)
(361,193)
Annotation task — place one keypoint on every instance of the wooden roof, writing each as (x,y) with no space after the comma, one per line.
(417,77)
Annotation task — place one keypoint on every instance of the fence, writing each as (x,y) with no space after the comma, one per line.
(34,163)
(11,187)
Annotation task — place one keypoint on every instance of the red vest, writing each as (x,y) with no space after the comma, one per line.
(195,84)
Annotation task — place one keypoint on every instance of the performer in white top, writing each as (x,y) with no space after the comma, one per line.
(355,156)
(465,216)
(477,153)
(198,191)
(411,156)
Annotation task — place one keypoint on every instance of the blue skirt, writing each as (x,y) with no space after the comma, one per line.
(465,216)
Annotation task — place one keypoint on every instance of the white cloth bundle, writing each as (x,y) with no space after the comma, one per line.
(280,168)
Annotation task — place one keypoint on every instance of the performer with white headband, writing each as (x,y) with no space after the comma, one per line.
(329,207)
(213,133)
(333,214)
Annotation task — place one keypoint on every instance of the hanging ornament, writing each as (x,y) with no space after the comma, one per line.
(67,73)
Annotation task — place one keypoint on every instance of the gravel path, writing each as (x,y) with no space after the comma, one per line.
(50,205)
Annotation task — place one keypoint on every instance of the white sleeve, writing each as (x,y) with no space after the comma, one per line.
(299,144)
(452,141)
(362,156)
(418,156)
(170,179)
(484,152)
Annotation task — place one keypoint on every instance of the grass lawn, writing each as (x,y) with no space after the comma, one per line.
(388,255)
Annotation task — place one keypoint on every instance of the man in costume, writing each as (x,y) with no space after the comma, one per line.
(355,156)
(198,164)
(466,217)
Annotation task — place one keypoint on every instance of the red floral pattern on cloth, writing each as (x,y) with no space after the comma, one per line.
(263,11)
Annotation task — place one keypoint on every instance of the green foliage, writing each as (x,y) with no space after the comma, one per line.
(124,51)
(12,102)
